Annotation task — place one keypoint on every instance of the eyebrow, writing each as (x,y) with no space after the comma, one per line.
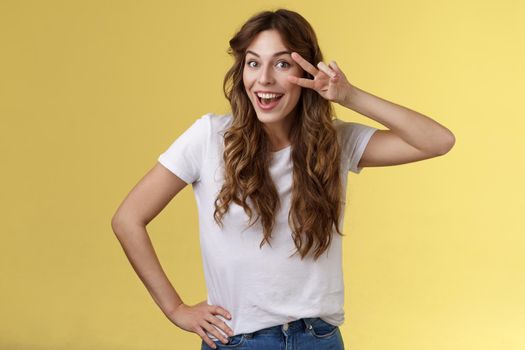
(274,55)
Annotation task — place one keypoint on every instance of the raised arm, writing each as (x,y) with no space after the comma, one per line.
(411,137)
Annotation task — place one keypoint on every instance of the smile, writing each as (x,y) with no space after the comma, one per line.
(267,104)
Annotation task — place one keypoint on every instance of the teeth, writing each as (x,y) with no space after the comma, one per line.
(263,95)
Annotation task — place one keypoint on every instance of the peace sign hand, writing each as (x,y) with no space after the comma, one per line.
(329,81)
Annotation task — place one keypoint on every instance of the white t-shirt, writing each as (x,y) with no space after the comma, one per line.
(260,287)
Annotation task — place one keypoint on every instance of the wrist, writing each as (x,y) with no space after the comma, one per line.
(174,307)
(350,96)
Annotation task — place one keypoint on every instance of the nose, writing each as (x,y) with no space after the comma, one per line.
(266,77)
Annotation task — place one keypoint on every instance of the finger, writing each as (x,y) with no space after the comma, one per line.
(338,72)
(307,83)
(334,66)
(307,66)
(327,70)
(211,329)
(222,325)
(219,310)
(206,339)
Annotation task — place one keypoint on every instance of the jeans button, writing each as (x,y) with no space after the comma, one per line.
(285,326)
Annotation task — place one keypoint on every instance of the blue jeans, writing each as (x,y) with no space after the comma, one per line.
(303,334)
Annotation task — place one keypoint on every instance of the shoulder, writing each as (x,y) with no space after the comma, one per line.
(209,124)
(217,122)
(213,128)
(344,126)
(351,129)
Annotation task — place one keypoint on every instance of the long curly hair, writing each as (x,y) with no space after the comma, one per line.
(317,189)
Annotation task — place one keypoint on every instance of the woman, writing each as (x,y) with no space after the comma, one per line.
(270,179)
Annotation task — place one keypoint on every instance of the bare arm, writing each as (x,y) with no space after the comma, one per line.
(141,205)
(138,248)
(153,192)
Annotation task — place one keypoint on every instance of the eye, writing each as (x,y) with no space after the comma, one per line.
(284,62)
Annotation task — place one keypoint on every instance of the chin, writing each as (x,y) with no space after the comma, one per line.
(269,119)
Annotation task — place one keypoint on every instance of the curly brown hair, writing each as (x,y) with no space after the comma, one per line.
(317,189)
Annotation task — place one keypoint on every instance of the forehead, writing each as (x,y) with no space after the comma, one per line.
(267,43)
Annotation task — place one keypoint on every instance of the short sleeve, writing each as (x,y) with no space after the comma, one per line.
(355,138)
(185,156)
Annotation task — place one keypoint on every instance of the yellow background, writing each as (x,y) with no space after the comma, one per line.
(93,91)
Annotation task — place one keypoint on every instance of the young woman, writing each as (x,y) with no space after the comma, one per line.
(269,179)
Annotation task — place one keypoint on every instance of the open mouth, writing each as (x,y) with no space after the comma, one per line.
(268,101)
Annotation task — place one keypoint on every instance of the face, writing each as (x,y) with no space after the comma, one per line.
(265,70)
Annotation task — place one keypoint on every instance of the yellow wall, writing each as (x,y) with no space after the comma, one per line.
(92,92)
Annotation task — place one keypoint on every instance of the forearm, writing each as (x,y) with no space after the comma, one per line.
(415,128)
(137,246)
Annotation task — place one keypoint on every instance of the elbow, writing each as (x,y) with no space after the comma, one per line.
(115,224)
(121,223)
(451,142)
(118,224)
(447,145)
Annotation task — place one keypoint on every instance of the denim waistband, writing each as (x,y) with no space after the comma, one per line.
(288,328)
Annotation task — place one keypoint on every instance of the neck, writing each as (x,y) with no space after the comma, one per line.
(278,133)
